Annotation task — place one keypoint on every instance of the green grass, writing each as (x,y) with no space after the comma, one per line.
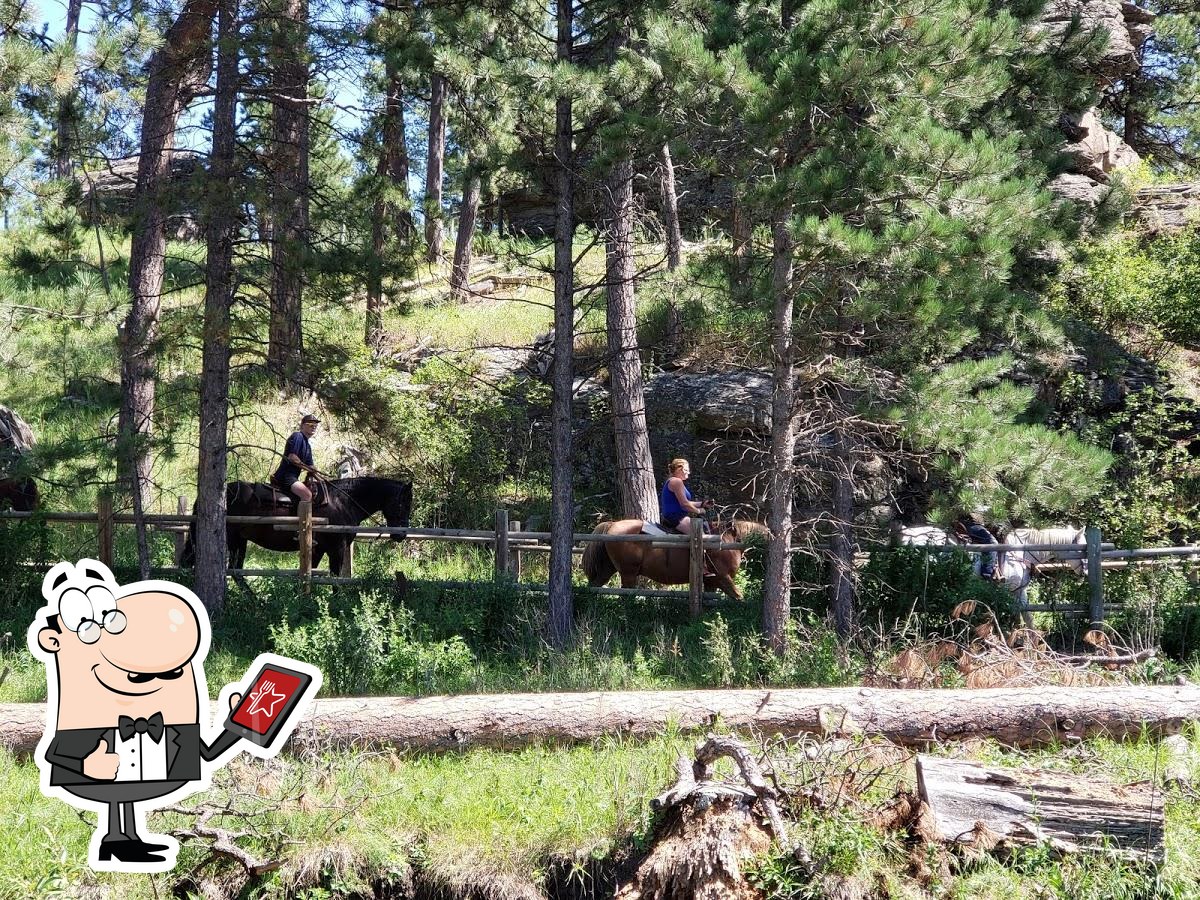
(341,822)
(349,819)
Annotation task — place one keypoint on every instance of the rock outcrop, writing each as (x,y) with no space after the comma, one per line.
(1096,152)
(1167,207)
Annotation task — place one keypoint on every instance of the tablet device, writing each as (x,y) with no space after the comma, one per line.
(265,708)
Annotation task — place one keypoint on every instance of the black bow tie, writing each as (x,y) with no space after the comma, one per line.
(152,726)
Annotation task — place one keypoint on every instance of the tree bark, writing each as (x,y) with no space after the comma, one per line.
(393,169)
(460,274)
(373,333)
(395,148)
(777,581)
(434,168)
(741,229)
(63,155)
(211,554)
(560,621)
(1034,807)
(635,467)
(841,537)
(289,183)
(177,71)
(671,211)
(1027,716)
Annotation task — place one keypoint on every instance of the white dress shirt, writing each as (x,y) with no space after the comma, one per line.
(142,758)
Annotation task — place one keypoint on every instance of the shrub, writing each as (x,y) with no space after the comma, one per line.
(373,648)
(908,581)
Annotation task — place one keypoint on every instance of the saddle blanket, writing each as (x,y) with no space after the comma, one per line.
(653,528)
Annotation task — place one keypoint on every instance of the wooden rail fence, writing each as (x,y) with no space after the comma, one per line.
(509,543)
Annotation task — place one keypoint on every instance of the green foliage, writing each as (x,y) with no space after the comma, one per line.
(974,422)
(904,582)
(372,648)
(1147,292)
(814,656)
(1153,495)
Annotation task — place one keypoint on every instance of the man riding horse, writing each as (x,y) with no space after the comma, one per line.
(297,455)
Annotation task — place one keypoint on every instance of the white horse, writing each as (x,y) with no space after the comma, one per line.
(1075,558)
(1014,567)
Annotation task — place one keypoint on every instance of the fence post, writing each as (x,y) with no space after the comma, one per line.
(514,557)
(104,529)
(696,568)
(181,506)
(305,534)
(1095,575)
(501,544)
(348,559)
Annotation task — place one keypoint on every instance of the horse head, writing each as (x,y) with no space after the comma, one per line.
(397,504)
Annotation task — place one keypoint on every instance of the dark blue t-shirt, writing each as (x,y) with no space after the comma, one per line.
(299,445)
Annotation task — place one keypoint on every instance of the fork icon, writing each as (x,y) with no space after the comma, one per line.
(259,702)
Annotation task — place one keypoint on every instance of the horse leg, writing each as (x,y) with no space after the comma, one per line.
(337,554)
(629,579)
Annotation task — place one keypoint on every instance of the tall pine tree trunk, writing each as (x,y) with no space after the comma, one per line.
(385,213)
(395,148)
(777,581)
(740,229)
(177,71)
(210,547)
(671,211)
(635,468)
(66,106)
(434,168)
(373,336)
(460,274)
(289,183)
(670,199)
(560,623)
(841,537)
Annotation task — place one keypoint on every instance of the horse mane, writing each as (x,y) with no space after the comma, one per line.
(744,528)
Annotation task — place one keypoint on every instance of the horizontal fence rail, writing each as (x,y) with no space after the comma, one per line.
(509,543)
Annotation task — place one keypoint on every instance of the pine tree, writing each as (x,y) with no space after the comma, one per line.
(288,57)
(179,70)
(221,227)
(905,188)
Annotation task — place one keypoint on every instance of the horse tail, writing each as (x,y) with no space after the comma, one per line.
(597,564)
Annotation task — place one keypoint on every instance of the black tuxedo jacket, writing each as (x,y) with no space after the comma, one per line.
(185,749)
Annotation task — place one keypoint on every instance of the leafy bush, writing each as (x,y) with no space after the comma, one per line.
(743,660)
(908,581)
(373,648)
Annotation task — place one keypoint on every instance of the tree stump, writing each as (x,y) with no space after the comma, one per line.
(708,832)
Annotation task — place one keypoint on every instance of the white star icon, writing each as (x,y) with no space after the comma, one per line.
(259,702)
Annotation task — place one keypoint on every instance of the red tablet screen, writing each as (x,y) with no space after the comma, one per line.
(267,701)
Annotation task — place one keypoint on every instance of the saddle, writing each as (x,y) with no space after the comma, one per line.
(271,495)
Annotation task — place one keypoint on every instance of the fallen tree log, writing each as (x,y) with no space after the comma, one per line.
(973,803)
(1020,717)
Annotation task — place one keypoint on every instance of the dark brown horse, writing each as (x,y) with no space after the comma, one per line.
(18,494)
(666,565)
(346,501)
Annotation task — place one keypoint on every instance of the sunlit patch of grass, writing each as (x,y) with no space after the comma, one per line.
(365,814)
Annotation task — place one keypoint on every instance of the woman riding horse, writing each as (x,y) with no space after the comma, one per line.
(676,503)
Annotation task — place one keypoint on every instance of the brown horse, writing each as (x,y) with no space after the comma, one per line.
(666,565)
